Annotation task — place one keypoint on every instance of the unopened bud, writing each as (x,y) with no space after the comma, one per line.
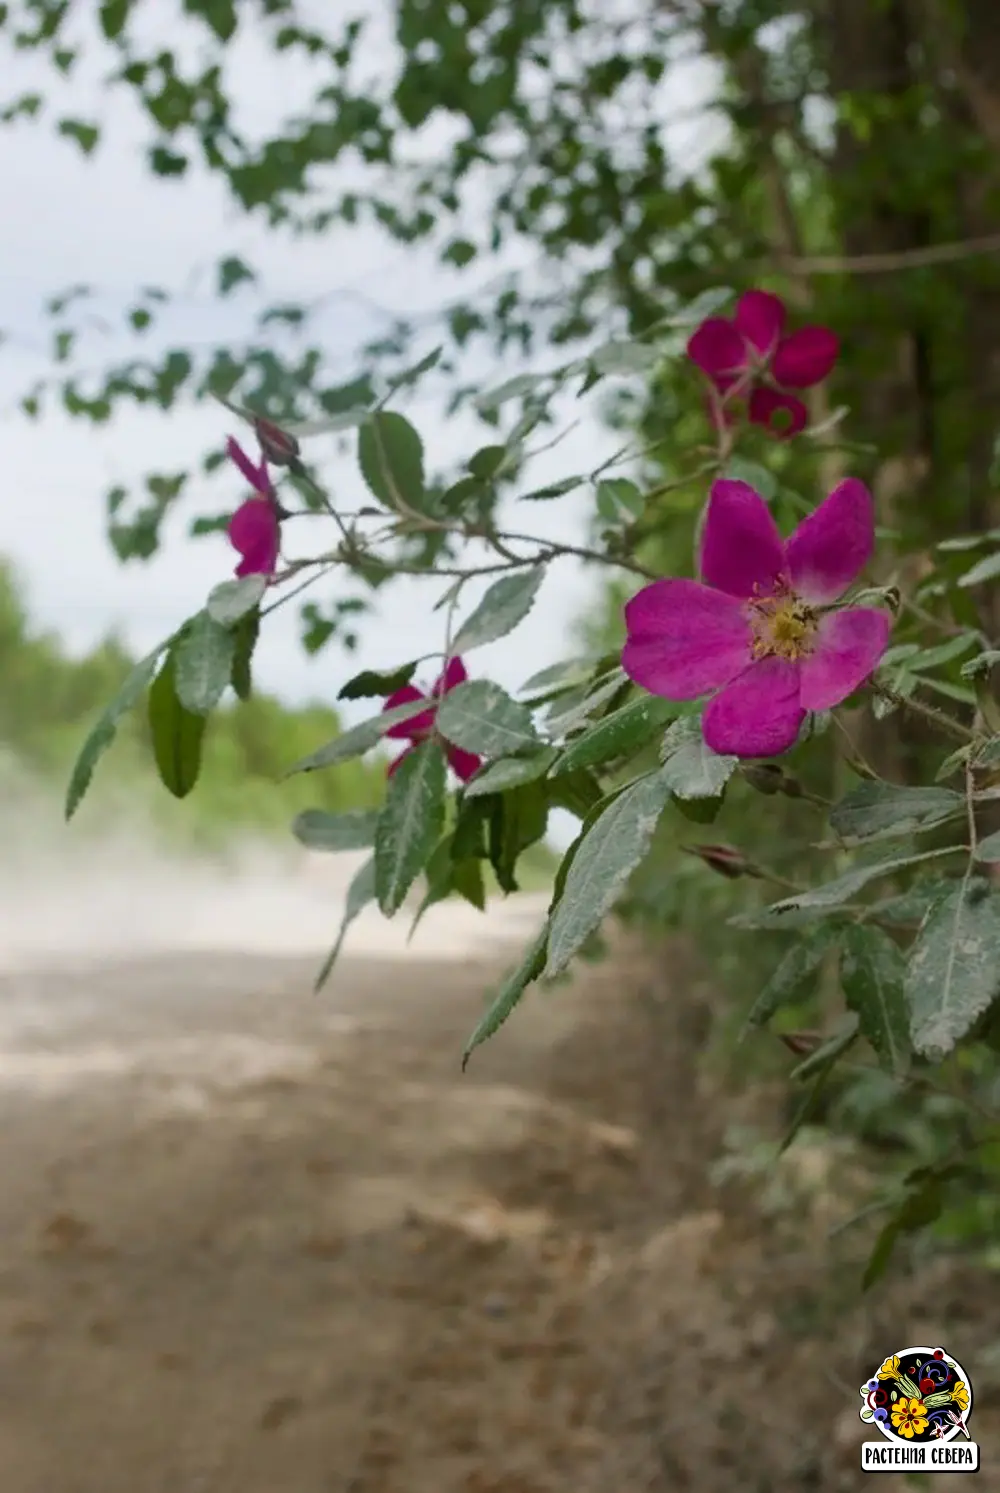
(276,444)
(801,1043)
(764,776)
(723,859)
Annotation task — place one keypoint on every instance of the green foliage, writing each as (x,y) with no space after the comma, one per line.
(611,847)
(954,968)
(360,894)
(391,457)
(506,603)
(872,973)
(178,733)
(409,825)
(480,717)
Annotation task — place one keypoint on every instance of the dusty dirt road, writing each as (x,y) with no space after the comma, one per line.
(254,1240)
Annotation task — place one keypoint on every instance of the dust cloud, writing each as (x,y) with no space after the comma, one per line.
(112,890)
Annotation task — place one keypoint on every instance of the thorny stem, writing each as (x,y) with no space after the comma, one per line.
(944,723)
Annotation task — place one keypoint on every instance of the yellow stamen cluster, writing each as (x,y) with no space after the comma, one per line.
(782,625)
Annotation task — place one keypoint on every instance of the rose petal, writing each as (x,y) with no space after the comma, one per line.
(255,534)
(849,645)
(454,674)
(805,358)
(256,475)
(418,725)
(757,715)
(719,351)
(464,764)
(766,404)
(740,547)
(760,318)
(831,547)
(401,758)
(684,639)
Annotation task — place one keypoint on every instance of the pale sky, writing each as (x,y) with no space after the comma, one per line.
(107,222)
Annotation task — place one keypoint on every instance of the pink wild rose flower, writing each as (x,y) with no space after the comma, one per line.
(255,529)
(749,358)
(421,726)
(760,631)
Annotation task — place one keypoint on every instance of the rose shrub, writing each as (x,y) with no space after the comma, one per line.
(728,680)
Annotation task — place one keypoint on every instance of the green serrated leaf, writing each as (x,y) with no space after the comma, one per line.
(359,739)
(760,478)
(872,972)
(943,653)
(438,874)
(578,792)
(921,1207)
(698,810)
(507,602)
(572,711)
(203,664)
(246,632)
(360,893)
(619,501)
(518,819)
(552,490)
(608,854)
(984,570)
(511,990)
(567,674)
(795,977)
(371,685)
(690,768)
(467,881)
(835,893)
(982,664)
(954,969)
(988,849)
(178,733)
(514,388)
(626,358)
(319,830)
(829,1051)
(912,905)
(103,733)
(805,1106)
(232,600)
(391,457)
(480,717)
(510,772)
(409,824)
(416,371)
(880,811)
(620,734)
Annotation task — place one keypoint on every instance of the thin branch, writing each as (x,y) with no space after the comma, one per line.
(888,263)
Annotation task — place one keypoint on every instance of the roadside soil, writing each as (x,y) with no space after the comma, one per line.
(257,1241)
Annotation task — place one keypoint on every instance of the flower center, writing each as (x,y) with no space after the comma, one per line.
(782,626)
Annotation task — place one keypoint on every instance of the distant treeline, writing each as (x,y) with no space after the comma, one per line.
(49,701)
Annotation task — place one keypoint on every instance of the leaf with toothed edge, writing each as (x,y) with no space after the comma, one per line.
(360,894)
